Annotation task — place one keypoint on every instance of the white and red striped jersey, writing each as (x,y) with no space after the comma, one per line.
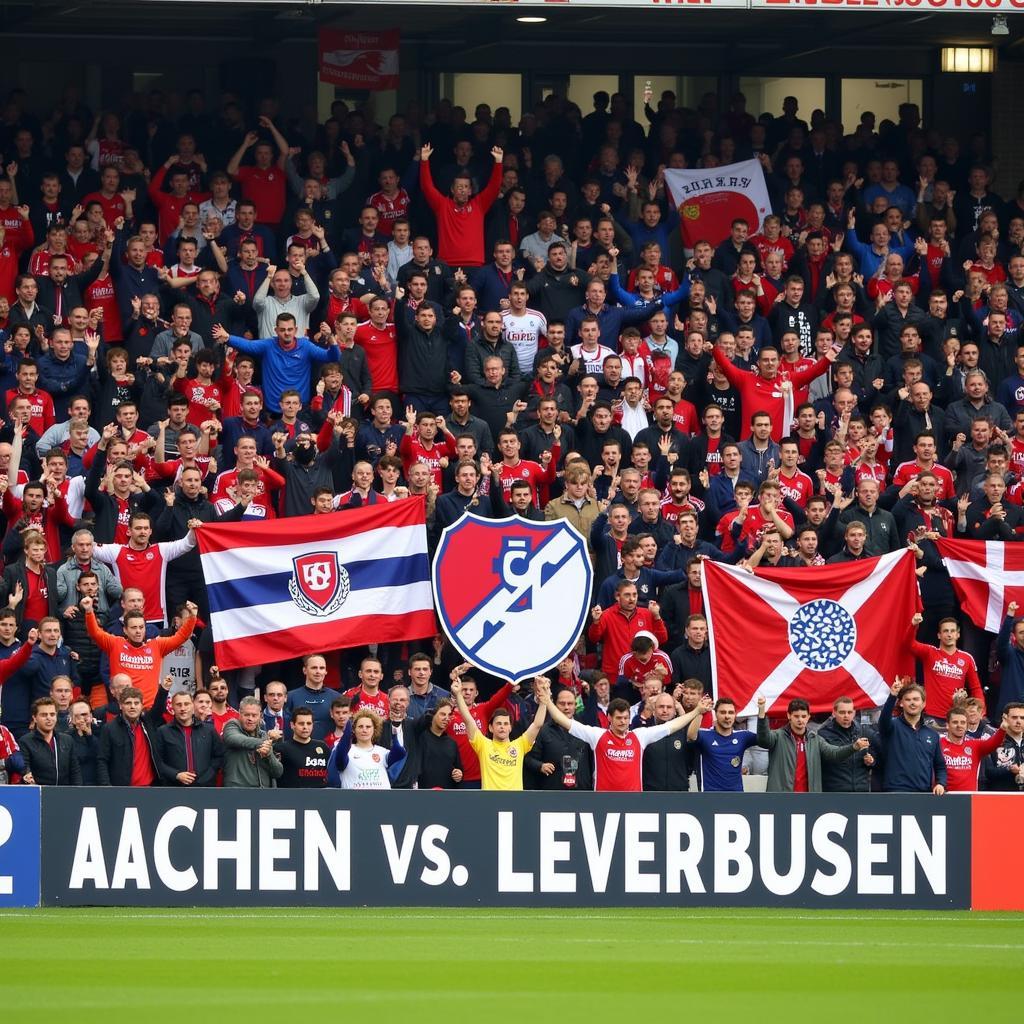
(591,362)
(389,209)
(907,471)
(635,670)
(618,761)
(799,487)
(146,570)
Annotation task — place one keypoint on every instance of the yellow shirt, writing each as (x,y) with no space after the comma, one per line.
(501,764)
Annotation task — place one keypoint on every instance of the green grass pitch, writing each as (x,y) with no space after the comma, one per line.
(555,966)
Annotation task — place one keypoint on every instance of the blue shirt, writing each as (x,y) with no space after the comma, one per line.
(721,759)
(319,702)
(285,369)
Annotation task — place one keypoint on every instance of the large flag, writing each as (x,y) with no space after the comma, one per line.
(986,575)
(709,200)
(359,60)
(817,633)
(302,586)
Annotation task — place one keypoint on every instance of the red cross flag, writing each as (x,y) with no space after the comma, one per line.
(818,633)
(986,576)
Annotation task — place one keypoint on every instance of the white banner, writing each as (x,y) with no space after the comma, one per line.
(709,200)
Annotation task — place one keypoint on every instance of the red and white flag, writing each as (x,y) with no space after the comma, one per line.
(709,200)
(819,633)
(986,576)
(289,587)
(359,60)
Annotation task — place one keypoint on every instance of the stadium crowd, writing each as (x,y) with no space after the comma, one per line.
(214,317)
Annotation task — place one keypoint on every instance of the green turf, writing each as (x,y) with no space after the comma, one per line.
(546,966)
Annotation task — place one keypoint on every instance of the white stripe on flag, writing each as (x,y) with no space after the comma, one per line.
(993,574)
(238,623)
(994,552)
(242,563)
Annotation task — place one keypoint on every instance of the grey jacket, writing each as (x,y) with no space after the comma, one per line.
(782,757)
(242,765)
(67,579)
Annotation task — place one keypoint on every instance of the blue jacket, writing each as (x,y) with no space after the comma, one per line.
(130,283)
(270,720)
(1011,657)
(640,234)
(234,429)
(62,378)
(631,300)
(285,369)
(868,261)
(611,320)
(913,757)
(754,464)
(43,668)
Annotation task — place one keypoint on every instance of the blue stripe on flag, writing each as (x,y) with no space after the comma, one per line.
(273,588)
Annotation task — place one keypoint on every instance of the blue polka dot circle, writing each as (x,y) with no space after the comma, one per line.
(822,634)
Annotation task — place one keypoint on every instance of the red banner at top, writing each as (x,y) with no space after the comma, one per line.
(359,60)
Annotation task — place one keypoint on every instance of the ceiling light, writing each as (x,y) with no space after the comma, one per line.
(970,60)
(531,19)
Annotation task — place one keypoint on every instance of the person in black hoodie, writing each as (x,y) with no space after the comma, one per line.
(440,766)
(853,774)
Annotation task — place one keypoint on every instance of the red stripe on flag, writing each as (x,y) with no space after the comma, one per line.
(216,537)
(326,636)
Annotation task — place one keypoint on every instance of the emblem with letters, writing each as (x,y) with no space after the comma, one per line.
(319,583)
(512,595)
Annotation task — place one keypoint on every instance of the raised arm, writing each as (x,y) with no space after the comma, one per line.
(542,688)
(471,728)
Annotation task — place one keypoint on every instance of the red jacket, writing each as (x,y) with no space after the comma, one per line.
(760,395)
(169,207)
(617,632)
(460,229)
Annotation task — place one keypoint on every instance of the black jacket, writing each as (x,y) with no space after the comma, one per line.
(666,766)
(849,775)
(436,756)
(555,746)
(171,757)
(16,573)
(87,749)
(117,750)
(172,524)
(424,367)
(105,505)
(408,772)
(51,767)
(690,664)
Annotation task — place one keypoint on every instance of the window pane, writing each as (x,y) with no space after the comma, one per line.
(688,89)
(882,98)
(497,90)
(765,95)
(583,87)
